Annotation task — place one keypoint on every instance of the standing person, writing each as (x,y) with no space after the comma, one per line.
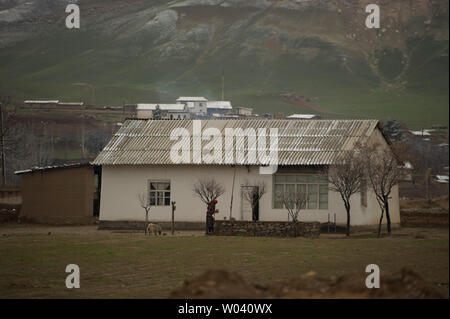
(211,210)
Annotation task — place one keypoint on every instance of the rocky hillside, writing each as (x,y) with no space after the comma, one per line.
(319,51)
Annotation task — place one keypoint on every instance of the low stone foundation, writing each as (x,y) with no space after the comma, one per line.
(139,225)
(58,220)
(276,229)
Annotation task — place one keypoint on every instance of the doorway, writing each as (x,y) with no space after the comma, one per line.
(247,211)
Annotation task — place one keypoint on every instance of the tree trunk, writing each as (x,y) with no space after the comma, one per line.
(379,225)
(2,148)
(146,222)
(347,208)
(173,219)
(388,216)
(294,223)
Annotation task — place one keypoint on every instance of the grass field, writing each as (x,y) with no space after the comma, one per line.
(129,265)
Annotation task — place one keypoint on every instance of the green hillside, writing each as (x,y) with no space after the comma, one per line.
(156,51)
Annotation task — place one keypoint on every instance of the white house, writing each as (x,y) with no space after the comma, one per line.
(244,111)
(197,105)
(168,111)
(219,107)
(142,157)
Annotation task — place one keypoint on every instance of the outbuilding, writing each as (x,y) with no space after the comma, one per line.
(64,194)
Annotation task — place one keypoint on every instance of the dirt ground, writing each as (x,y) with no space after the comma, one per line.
(116,264)
(222,284)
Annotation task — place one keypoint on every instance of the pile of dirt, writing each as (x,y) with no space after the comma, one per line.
(222,284)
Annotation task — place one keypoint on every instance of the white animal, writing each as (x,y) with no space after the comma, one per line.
(154,229)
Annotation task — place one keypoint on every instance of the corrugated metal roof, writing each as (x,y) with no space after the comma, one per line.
(164,107)
(301,142)
(302,116)
(41,102)
(191,99)
(219,105)
(47,168)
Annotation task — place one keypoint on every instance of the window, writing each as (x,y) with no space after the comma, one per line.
(314,186)
(159,193)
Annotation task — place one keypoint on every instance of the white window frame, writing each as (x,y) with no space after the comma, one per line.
(307,185)
(156,191)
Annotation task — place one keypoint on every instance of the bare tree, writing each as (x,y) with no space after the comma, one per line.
(207,189)
(294,202)
(145,204)
(384,172)
(14,145)
(252,193)
(346,177)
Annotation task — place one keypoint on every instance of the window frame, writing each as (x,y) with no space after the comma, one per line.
(307,187)
(163,191)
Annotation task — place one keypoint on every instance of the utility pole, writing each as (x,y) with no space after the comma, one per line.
(232,193)
(2,146)
(223,84)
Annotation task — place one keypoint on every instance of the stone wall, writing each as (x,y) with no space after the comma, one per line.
(140,225)
(277,229)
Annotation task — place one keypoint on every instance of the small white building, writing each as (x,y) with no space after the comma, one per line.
(244,111)
(303,117)
(168,111)
(219,107)
(139,159)
(197,105)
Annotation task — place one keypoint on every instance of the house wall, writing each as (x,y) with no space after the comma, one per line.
(378,139)
(122,184)
(58,196)
(195,107)
(244,111)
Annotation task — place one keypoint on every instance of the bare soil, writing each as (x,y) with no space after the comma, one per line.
(115,264)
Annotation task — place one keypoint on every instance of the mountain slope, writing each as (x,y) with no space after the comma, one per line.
(145,51)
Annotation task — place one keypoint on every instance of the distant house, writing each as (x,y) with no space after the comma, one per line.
(421,133)
(442,179)
(53,104)
(219,107)
(41,103)
(65,194)
(197,105)
(71,105)
(244,111)
(167,111)
(407,171)
(303,117)
(138,159)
